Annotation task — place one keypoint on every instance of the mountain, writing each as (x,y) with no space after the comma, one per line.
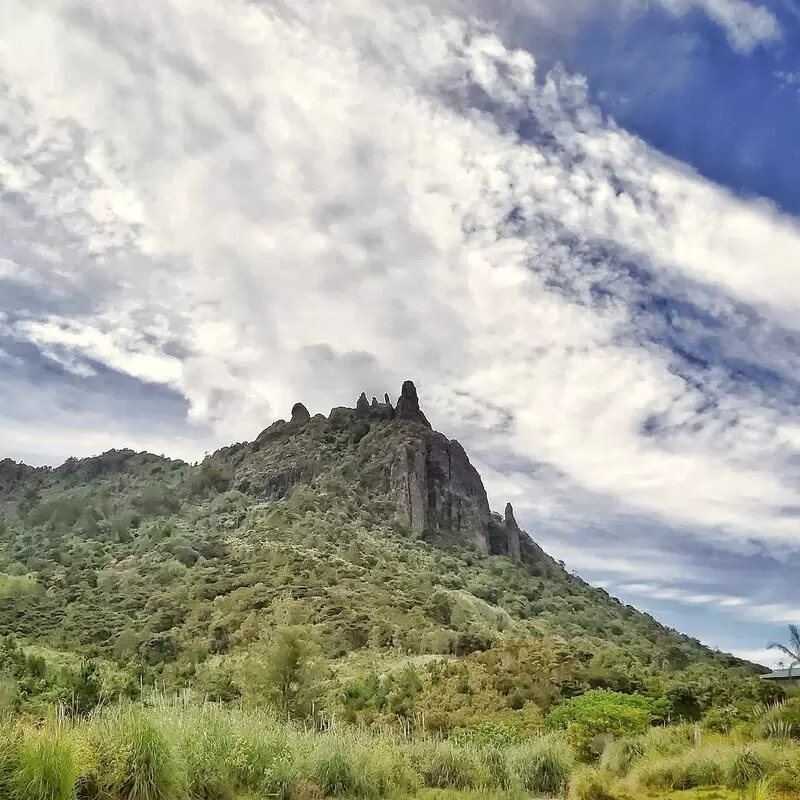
(366,529)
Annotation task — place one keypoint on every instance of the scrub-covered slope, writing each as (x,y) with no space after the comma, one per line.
(366,528)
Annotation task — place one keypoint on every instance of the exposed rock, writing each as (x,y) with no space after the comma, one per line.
(428,477)
(276,429)
(300,414)
(362,406)
(380,411)
(387,400)
(408,405)
(513,532)
(340,417)
(11,471)
(436,487)
(278,483)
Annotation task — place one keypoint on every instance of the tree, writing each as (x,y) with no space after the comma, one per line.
(87,688)
(287,675)
(792,650)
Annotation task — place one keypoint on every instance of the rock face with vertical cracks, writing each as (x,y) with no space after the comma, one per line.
(434,484)
(389,451)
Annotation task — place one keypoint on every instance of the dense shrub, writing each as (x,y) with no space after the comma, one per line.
(601,712)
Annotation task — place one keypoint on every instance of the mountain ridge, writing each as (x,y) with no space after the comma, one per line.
(423,483)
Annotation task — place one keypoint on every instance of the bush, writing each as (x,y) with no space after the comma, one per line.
(693,769)
(207,743)
(620,755)
(443,766)
(746,767)
(46,768)
(495,734)
(720,720)
(601,712)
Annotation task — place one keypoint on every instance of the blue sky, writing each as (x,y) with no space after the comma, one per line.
(573,224)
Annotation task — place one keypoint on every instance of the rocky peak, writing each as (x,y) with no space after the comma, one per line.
(513,532)
(429,478)
(408,405)
(300,413)
(362,404)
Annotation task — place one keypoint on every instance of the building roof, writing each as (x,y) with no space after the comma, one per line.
(778,674)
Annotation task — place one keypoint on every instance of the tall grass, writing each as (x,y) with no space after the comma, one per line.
(45,766)
(212,753)
(543,766)
(136,759)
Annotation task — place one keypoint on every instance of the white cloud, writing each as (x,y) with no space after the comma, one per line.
(744,607)
(253,197)
(767,658)
(746,24)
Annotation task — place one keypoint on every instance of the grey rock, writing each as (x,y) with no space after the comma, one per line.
(513,531)
(436,487)
(300,413)
(408,405)
(362,406)
(273,431)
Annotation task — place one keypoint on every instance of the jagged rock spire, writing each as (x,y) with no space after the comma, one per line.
(362,405)
(513,531)
(408,405)
(300,413)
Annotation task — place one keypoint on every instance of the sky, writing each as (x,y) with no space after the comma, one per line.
(574,224)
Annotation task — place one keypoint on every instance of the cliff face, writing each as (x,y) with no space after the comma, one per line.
(435,487)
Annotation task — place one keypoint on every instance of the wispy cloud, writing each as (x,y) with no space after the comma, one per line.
(243,205)
(747,25)
(773,613)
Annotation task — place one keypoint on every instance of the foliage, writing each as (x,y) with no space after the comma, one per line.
(285,673)
(792,649)
(602,712)
(276,577)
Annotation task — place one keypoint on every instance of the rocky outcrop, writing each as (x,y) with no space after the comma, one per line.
(276,484)
(300,414)
(408,405)
(362,405)
(429,477)
(513,533)
(373,410)
(273,431)
(436,488)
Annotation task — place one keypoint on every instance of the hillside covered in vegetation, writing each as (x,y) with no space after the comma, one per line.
(359,547)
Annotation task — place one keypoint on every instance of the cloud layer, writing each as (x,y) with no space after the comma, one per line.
(211,210)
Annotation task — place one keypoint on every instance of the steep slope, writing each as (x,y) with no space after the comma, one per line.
(367,527)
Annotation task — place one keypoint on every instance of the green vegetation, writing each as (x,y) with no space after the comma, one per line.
(210,752)
(313,648)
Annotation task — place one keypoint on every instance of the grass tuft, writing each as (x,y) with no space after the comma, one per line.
(136,759)
(543,766)
(46,768)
